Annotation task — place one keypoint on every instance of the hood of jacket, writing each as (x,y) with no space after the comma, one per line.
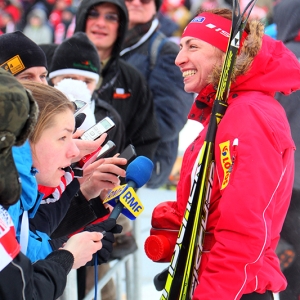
(86,5)
(30,198)
(286,17)
(263,65)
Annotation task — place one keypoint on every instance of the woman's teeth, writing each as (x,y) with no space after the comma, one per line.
(189,73)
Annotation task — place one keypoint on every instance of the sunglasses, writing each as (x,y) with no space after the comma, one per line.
(109,17)
(142,1)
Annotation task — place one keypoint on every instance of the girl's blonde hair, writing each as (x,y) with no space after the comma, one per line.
(50,102)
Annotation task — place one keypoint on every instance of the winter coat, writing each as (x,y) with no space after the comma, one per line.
(45,219)
(254,171)
(19,279)
(125,89)
(170,100)
(38,245)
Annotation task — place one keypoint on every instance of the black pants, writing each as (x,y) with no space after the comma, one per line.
(255,296)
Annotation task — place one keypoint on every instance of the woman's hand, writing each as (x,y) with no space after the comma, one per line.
(86,147)
(83,245)
(105,176)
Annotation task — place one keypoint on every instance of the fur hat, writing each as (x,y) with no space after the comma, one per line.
(76,55)
(19,53)
(18,115)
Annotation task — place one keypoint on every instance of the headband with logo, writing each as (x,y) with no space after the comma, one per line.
(210,28)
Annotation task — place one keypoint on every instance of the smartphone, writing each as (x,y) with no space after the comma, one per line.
(97,130)
(79,106)
(128,153)
(109,146)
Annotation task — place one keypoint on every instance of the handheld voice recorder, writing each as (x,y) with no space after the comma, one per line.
(79,106)
(97,130)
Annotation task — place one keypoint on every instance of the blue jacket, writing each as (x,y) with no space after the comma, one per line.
(171,102)
(38,242)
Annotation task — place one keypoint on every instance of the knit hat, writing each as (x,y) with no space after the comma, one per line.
(18,115)
(19,53)
(76,55)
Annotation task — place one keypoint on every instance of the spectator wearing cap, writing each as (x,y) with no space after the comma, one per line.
(74,72)
(22,57)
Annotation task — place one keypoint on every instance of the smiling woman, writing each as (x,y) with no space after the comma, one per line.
(51,142)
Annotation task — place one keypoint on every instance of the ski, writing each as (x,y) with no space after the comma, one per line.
(182,277)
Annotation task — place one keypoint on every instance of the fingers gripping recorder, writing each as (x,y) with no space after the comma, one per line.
(124,198)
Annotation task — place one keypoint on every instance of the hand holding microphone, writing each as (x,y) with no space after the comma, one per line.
(124,198)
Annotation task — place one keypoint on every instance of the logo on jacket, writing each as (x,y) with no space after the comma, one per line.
(226,162)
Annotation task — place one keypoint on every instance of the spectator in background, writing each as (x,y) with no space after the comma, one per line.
(65,28)
(120,84)
(10,15)
(57,11)
(286,17)
(178,12)
(37,27)
(7,23)
(150,51)
(22,57)
(70,70)
(123,86)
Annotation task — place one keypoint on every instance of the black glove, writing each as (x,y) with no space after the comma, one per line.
(110,227)
(58,243)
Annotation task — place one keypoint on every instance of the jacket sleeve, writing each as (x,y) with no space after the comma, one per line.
(44,280)
(80,213)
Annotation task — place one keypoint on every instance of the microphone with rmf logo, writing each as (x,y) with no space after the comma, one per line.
(124,198)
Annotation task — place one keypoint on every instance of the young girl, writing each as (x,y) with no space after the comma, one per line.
(42,161)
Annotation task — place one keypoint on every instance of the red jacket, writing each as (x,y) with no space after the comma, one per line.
(248,205)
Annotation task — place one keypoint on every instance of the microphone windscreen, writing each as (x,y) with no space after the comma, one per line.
(79,119)
(139,171)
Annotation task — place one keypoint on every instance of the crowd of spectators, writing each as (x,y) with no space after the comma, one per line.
(52,21)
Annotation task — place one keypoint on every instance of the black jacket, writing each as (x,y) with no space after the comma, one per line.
(44,280)
(286,17)
(135,106)
(20,279)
